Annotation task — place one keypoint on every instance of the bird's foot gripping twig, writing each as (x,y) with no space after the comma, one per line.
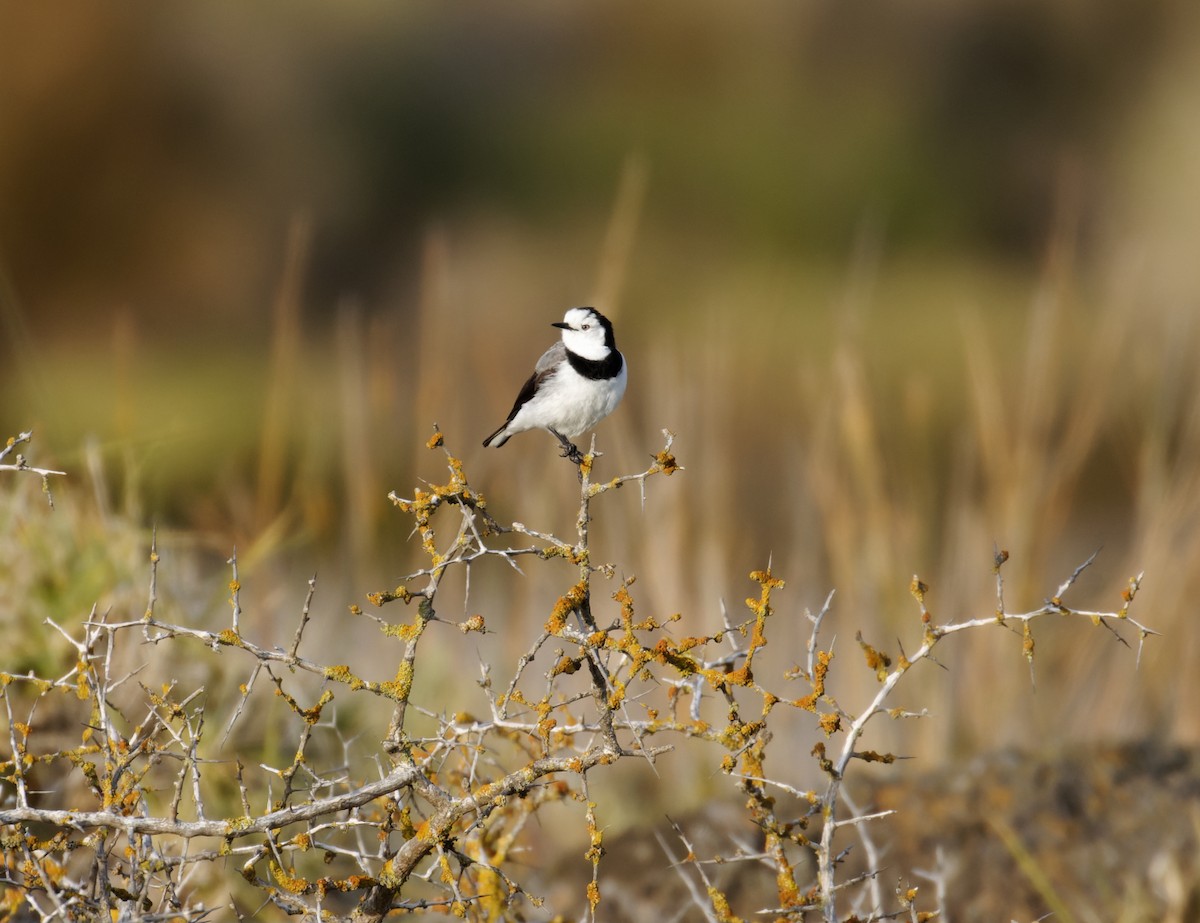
(569,449)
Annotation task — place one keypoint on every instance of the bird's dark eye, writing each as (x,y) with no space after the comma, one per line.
(587,326)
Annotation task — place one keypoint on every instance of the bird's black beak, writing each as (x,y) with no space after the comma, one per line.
(561,325)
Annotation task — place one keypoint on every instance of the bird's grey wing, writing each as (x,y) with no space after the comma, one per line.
(550,358)
(544,369)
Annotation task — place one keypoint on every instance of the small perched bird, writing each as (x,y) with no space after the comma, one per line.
(576,384)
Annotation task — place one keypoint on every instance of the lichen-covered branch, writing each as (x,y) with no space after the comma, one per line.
(361,802)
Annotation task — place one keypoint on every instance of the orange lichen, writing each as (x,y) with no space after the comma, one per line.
(230,637)
(877,660)
(474,623)
(666,462)
(569,602)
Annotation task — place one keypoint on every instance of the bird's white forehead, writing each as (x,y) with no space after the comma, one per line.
(577,316)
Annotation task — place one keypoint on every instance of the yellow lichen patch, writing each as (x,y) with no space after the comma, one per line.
(566,666)
(288,880)
(398,689)
(230,637)
(625,601)
(823,761)
(340,673)
(740,677)
(173,709)
(436,440)
(404,823)
(766,580)
(493,892)
(560,551)
(387,596)
(595,836)
(669,654)
(616,693)
(544,727)
(388,877)
(313,715)
(345,885)
(405,631)
(666,463)
(830,723)
(447,875)
(474,623)
(820,671)
(1127,595)
(597,638)
(785,885)
(877,660)
(567,603)
(688,643)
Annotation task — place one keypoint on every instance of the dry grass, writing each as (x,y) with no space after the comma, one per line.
(857,442)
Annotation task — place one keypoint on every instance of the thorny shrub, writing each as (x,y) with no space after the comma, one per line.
(140,814)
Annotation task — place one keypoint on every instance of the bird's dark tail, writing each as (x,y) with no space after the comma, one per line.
(493,441)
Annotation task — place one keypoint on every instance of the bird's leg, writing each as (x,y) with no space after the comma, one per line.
(569,449)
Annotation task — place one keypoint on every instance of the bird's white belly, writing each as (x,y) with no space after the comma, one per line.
(573,404)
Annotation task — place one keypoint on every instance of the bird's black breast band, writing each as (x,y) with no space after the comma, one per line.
(596,369)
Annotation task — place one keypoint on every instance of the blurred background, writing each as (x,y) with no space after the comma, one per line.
(910,283)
